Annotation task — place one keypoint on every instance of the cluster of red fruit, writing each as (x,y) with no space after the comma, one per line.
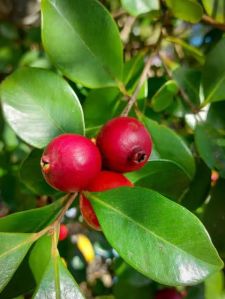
(73,163)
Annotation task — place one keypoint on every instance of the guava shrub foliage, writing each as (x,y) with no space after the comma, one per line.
(134,193)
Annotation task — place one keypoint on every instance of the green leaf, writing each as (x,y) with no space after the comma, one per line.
(213,86)
(31,220)
(39,105)
(189,80)
(18,285)
(81,47)
(191,50)
(215,116)
(199,187)
(155,235)
(187,10)
(214,286)
(138,7)
(210,143)
(31,176)
(215,9)
(130,283)
(163,98)
(104,103)
(13,248)
(213,217)
(170,146)
(100,105)
(54,280)
(156,175)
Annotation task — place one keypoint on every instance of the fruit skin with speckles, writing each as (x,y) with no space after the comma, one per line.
(70,162)
(63,232)
(105,180)
(125,144)
(168,294)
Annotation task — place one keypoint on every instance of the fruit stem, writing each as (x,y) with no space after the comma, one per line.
(143,77)
(69,198)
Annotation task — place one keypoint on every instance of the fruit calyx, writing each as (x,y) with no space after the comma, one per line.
(45,164)
(137,156)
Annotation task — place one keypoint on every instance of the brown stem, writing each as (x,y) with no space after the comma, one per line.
(143,77)
(210,21)
(69,198)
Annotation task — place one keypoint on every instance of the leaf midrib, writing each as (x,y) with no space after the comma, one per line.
(25,242)
(213,91)
(106,70)
(148,231)
(52,120)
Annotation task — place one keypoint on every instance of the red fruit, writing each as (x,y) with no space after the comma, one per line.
(63,232)
(70,162)
(105,180)
(125,144)
(168,294)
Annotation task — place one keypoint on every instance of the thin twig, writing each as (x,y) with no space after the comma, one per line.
(143,77)
(71,198)
(125,33)
(210,21)
(52,227)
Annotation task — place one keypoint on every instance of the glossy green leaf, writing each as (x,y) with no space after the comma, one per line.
(215,116)
(39,105)
(189,80)
(105,103)
(43,249)
(214,86)
(163,98)
(214,286)
(215,9)
(13,248)
(100,105)
(170,146)
(155,235)
(31,176)
(156,175)
(57,282)
(187,10)
(138,7)
(213,217)
(210,143)
(81,47)
(30,220)
(199,187)
(18,284)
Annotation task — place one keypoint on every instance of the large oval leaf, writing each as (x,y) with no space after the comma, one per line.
(211,146)
(31,220)
(86,46)
(13,248)
(137,7)
(156,236)
(213,216)
(215,8)
(31,176)
(214,86)
(39,105)
(53,279)
(156,175)
(188,10)
(168,145)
